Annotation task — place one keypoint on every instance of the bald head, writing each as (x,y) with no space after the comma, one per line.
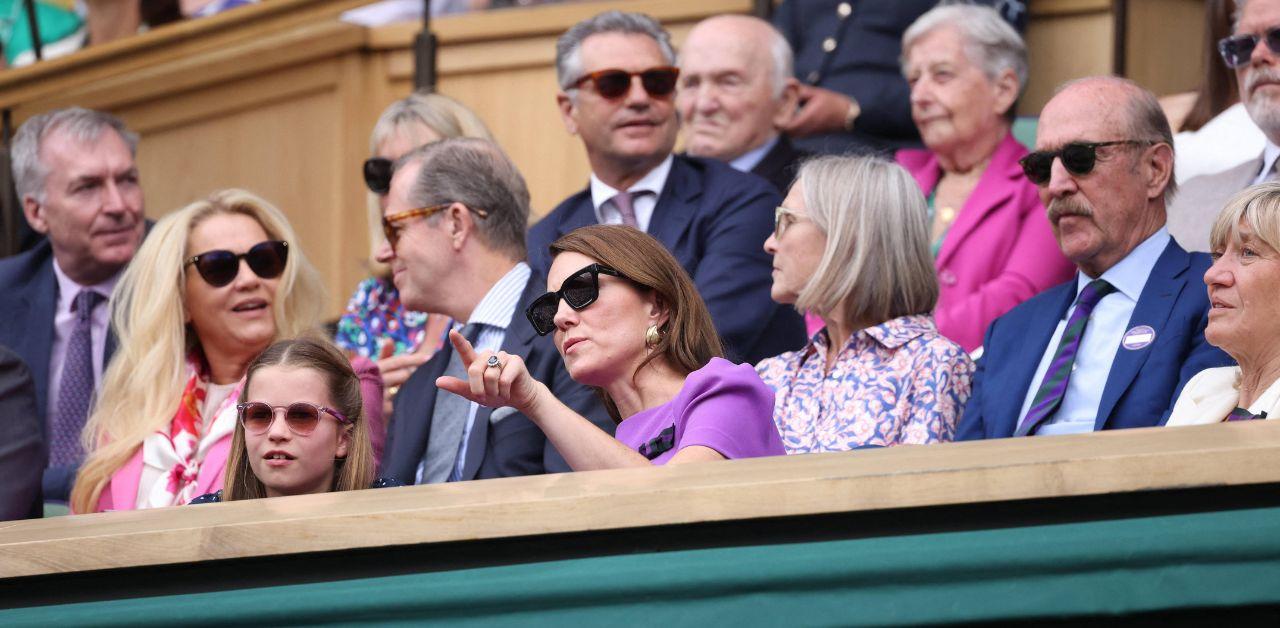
(735,86)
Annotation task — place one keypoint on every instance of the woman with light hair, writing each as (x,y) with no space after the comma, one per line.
(992,245)
(376,325)
(1244,314)
(190,317)
(850,244)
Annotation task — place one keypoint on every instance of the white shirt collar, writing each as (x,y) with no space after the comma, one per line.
(653,182)
(752,158)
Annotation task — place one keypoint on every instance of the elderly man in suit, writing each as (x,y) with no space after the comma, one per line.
(736,91)
(78,183)
(618,81)
(1113,347)
(455,223)
(1257,68)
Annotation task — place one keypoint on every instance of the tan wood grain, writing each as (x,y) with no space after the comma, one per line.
(903,477)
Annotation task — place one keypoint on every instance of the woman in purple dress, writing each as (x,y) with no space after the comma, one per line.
(628,321)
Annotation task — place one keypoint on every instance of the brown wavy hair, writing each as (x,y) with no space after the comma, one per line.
(689,338)
(353,472)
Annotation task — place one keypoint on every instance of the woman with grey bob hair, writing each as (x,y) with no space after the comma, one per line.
(1244,314)
(850,244)
(992,244)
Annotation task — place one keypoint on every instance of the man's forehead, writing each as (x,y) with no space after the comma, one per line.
(1081,115)
(1259,15)
(75,156)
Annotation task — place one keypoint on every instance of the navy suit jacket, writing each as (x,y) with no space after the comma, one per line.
(779,165)
(22,451)
(30,291)
(714,220)
(502,443)
(1143,384)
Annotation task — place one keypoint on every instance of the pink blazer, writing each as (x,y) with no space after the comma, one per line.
(999,252)
(121,493)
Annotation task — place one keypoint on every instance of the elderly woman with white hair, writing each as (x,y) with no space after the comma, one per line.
(1244,314)
(850,244)
(992,244)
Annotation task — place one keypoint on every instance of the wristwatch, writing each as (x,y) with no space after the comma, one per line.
(852,114)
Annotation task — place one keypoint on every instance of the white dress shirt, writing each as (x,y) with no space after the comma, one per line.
(607,214)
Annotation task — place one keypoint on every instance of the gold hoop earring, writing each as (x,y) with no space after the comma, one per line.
(652,337)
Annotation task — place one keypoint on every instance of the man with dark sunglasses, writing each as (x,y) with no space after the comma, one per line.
(618,94)
(1113,347)
(455,224)
(1253,52)
(79,187)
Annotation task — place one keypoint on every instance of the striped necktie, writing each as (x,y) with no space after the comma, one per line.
(1054,386)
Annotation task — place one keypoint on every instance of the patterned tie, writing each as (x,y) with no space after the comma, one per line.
(448,419)
(622,201)
(1242,414)
(76,390)
(1054,386)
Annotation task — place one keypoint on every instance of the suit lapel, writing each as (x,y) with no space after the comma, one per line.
(676,205)
(517,341)
(993,191)
(1154,305)
(583,214)
(41,308)
(1034,336)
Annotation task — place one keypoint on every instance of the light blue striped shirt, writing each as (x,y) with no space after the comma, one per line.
(493,314)
(1100,342)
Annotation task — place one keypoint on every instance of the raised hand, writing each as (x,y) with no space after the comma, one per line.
(493,379)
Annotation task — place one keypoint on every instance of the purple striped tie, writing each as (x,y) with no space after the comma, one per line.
(1054,385)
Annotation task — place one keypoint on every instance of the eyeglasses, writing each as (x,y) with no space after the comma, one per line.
(579,290)
(1079,159)
(377,174)
(1237,50)
(392,231)
(219,268)
(300,416)
(783,218)
(614,83)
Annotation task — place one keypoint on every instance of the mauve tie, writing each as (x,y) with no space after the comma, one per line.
(77,385)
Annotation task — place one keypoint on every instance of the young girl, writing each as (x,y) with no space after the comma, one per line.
(300,429)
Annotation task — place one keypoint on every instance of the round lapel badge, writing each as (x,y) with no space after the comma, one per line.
(1138,338)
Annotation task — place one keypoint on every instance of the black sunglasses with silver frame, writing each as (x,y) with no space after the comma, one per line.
(1238,49)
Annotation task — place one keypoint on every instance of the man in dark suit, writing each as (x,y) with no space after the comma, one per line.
(78,183)
(1113,347)
(455,222)
(617,81)
(736,91)
(21,448)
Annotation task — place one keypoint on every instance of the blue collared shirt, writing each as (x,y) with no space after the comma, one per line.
(1101,340)
(493,314)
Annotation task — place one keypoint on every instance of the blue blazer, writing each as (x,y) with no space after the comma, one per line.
(502,443)
(1142,386)
(22,451)
(30,301)
(714,220)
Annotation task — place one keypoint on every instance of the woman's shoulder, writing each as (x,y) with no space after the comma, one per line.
(722,376)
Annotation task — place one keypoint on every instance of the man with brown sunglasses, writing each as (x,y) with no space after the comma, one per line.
(455,223)
(1113,347)
(618,81)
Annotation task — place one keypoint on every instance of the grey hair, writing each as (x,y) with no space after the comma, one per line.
(991,43)
(478,174)
(1145,119)
(876,265)
(784,60)
(569,46)
(82,125)
(443,115)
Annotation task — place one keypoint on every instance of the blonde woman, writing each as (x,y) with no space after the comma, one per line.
(213,285)
(376,325)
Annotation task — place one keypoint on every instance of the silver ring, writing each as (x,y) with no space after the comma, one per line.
(494,361)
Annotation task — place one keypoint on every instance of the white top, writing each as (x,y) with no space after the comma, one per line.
(1226,141)
(607,214)
(1100,342)
(1213,393)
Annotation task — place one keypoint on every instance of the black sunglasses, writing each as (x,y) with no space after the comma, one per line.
(613,83)
(377,174)
(1237,50)
(300,416)
(1079,158)
(219,268)
(579,290)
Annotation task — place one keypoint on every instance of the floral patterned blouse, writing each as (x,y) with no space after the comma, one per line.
(896,383)
(376,325)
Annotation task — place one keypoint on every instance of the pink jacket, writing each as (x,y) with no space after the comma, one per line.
(121,493)
(999,252)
